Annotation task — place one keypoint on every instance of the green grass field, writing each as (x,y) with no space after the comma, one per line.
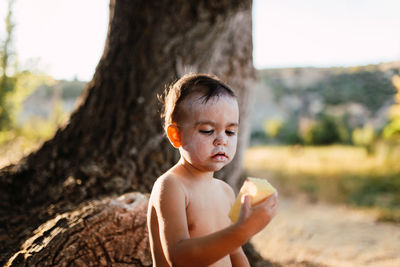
(335,174)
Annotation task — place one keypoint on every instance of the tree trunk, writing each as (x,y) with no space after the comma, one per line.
(114,142)
(110,232)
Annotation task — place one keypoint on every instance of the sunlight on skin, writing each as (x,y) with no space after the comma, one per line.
(225,109)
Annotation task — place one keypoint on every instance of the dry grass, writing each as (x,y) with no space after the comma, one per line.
(318,233)
(12,152)
(328,235)
(336,174)
(324,160)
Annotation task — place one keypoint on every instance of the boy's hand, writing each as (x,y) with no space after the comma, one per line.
(255,218)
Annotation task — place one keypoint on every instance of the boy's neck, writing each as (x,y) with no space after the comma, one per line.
(193,172)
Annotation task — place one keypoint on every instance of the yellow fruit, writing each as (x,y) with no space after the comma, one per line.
(258,189)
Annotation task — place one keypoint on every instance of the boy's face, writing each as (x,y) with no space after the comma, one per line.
(208,132)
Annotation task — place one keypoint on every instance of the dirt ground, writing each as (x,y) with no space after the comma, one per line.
(309,234)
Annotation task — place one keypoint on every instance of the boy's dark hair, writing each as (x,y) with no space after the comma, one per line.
(208,86)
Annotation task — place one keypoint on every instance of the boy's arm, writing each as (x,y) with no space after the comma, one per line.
(181,250)
(239,259)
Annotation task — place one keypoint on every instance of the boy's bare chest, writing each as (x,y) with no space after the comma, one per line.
(207,212)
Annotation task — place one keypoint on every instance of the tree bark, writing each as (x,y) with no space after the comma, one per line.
(114,142)
(110,232)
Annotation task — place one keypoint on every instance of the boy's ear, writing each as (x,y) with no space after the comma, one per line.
(173,135)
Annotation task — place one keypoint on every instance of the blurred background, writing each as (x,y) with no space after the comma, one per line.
(325,119)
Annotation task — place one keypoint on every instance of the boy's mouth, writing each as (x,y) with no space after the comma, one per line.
(220,156)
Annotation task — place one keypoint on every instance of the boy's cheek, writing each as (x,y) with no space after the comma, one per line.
(234,142)
(233,149)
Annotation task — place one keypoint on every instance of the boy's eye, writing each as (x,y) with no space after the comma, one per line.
(206,131)
(230,133)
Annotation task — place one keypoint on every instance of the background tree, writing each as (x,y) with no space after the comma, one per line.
(114,141)
(392,130)
(16,84)
(7,58)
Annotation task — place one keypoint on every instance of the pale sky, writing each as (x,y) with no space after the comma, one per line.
(325,33)
(68,35)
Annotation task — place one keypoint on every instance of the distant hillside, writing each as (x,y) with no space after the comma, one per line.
(361,93)
(42,101)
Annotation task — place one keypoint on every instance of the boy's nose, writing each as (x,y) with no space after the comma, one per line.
(220,141)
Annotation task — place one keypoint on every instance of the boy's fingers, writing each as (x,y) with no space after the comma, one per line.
(269,201)
(246,201)
(246,205)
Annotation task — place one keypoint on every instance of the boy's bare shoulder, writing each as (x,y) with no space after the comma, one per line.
(168,183)
(168,179)
(226,188)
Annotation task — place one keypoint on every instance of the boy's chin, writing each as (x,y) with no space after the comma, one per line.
(209,166)
(218,166)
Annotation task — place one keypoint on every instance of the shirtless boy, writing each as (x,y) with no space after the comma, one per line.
(188,210)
